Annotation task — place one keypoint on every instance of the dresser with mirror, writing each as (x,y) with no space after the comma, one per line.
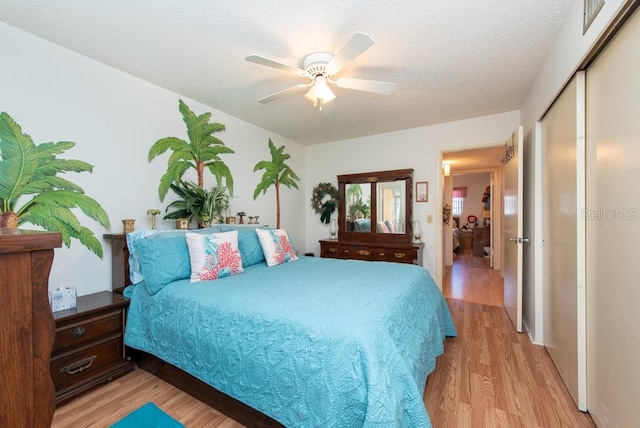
(374,218)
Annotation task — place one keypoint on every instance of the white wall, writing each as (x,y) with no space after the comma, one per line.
(566,54)
(418,148)
(114,118)
(476,184)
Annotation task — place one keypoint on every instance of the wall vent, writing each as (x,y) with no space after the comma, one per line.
(591,9)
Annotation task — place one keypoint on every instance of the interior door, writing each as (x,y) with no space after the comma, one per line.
(513,228)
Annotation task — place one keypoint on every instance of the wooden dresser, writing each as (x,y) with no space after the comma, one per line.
(26,328)
(481,239)
(89,348)
(372,251)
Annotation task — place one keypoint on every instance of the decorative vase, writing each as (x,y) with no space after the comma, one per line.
(204,221)
(333,229)
(128,225)
(417,232)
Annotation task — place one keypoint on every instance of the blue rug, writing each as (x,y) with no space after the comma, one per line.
(147,416)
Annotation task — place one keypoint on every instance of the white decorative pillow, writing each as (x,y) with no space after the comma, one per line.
(276,246)
(214,256)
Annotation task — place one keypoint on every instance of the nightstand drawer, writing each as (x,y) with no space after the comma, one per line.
(77,334)
(67,370)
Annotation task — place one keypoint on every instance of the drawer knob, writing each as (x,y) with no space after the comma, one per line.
(333,249)
(78,331)
(364,252)
(79,365)
(399,255)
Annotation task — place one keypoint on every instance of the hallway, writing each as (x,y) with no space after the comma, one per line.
(473,284)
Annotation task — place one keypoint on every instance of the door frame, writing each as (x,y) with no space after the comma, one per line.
(440,191)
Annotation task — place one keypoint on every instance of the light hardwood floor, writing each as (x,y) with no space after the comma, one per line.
(489,376)
(465,257)
(472,284)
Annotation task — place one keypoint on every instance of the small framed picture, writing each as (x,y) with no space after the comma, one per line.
(231,220)
(182,223)
(422,191)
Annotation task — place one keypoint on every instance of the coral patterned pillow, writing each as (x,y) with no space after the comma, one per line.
(276,246)
(214,256)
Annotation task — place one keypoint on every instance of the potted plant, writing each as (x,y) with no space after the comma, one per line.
(27,169)
(207,206)
(359,209)
(202,151)
(276,173)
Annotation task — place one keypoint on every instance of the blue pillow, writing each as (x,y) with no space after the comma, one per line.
(248,244)
(135,271)
(163,261)
(363,225)
(173,233)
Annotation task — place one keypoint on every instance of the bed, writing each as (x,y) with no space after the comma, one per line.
(305,343)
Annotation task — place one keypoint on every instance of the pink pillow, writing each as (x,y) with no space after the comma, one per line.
(214,256)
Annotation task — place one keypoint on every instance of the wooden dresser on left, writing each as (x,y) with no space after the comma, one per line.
(27,395)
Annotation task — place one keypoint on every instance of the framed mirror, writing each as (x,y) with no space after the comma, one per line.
(375,206)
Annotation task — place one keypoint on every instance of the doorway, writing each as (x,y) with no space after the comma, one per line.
(471,241)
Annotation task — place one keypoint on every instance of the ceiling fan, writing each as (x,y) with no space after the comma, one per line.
(321,69)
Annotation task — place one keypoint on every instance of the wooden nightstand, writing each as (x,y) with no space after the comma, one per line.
(88,349)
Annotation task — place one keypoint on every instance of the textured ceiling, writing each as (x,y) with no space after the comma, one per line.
(473,160)
(450,59)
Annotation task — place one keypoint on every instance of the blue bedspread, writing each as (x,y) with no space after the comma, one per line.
(311,343)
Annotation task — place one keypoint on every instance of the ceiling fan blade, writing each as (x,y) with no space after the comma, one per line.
(283,92)
(355,47)
(275,64)
(383,88)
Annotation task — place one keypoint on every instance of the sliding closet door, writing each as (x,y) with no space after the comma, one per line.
(613,230)
(563,251)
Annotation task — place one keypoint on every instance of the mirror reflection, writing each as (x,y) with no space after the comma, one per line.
(358,203)
(375,207)
(390,209)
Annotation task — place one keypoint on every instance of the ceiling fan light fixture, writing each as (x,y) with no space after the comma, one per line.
(320,92)
(321,68)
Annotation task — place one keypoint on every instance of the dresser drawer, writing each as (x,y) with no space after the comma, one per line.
(70,369)
(399,255)
(77,334)
(409,253)
(332,251)
(368,253)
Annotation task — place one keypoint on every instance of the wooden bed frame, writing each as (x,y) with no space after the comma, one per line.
(229,406)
